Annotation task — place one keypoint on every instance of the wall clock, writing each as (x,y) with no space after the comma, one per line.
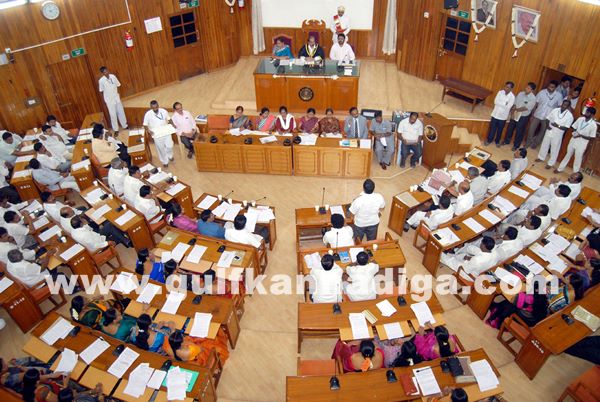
(50,10)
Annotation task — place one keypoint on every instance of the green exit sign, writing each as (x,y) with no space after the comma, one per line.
(77,52)
(193,3)
(463,14)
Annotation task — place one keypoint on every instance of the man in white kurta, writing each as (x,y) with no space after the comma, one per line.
(362,275)
(474,260)
(340,23)
(434,218)
(154,118)
(147,205)
(559,121)
(85,235)
(339,235)
(510,246)
(132,185)
(530,231)
(341,51)
(239,234)
(584,130)
(109,86)
(519,163)
(116,176)
(328,281)
(500,179)
(503,104)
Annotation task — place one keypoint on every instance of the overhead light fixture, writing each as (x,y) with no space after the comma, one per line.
(594,2)
(4,4)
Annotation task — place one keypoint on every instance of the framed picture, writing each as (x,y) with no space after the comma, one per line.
(485,9)
(525,20)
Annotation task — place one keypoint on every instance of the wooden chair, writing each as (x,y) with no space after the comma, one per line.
(422,232)
(316,28)
(100,171)
(464,280)
(60,193)
(159,226)
(262,256)
(584,388)
(105,255)
(218,123)
(215,366)
(285,39)
(518,330)
(316,367)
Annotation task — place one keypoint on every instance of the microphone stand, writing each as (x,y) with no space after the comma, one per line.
(322,209)
(336,256)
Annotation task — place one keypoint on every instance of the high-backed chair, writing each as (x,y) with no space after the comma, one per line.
(59,193)
(100,171)
(316,28)
(422,232)
(285,39)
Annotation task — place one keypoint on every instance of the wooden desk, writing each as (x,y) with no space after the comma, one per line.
(316,320)
(23,310)
(372,385)
(465,89)
(310,224)
(230,154)
(399,210)
(183,197)
(137,146)
(328,158)
(271,225)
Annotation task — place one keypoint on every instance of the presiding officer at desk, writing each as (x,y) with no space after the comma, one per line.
(312,50)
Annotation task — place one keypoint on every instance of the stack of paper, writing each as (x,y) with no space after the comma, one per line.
(158,177)
(67,362)
(393,330)
(489,216)
(123,362)
(358,322)
(519,192)
(531,181)
(484,374)
(97,347)
(505,205)
(207,202)
(423,313)
(125,283)
(173,302)
(126,217)
(447,236)
(226,259)
(148,293)
(386,308)
(59,330)
(163,131)
(139,377)
(474,225)
(196,254)
(176,385)
(265,214)
(175,189)
(427,381)
(201,325)
(156,380)
(313,261)
(5,283)
(179,251)
(94,196)
(505,276)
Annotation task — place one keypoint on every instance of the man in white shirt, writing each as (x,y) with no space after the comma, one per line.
(55,143)
(530,231)
(366,210)
(116,176)
(52,206)
(478,184)
(545,101)
(9,148)
(500,179)
(51,178)
(66,214)
(239,234)
(85,235)
(521,111)
(5,188)
(546,192)
(510,245)
(558,200)
(341,51)
(18,227)
(559,121)
(339,235)
(328,281)
(8,243)
(185,124)
(147,205)
(49,160)
(584,130)
(6,205)
(474,260)
(109,86)
(154,118)
(503,104)
(340,23)
(520,216)
(464,197)
(67,136)
(519,163)
(432,218)
(362,275)
(132,185)
(410,135)
(28,273)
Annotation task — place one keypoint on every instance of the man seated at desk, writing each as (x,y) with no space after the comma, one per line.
(67,136)
(478,184)
(464,197)
(55,143)
(433,218)
(558,202)
(362,275)
(132,184)
(355,125)
(239,234)
(50,160)
(410,134)
(20,228)
(342,51)
(85,235)
(499,179)
(6,205)
(148,205)
(474,260)
(5,188)
(530,231)
(542,193)
(51,178)
(185,124)
(381,130)
(106,148)
(339,235)
(510,244)
(116,176)
(8,243)
(28,273)
(328,281)
(9,148)
(312,51)
(66,214)
(208,227)
(53,207)
(519,163)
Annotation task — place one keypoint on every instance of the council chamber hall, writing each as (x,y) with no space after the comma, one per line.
(285,200)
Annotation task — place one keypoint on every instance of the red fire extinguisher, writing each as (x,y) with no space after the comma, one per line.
(128,40)
(589,102)
(241,3)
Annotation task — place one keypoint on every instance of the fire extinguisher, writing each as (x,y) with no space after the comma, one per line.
(128,40)
(589,102)
(241,3)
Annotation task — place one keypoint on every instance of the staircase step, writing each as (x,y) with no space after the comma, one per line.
(455,132)
(464,136)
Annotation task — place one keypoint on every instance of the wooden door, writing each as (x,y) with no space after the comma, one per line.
(186,42)
(75,90)
(453,47)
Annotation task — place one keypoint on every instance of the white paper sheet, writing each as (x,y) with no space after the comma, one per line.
(510,278)
(519,192)
(163,131)
(474,225)
(100,212)
(148,293)
(308,139)
(465,165)
(175,189)
(5,283)
(353,251)
(531,181)
(157,379)
(33,206)
(313,261)
(505,205)
(196,254)
(176,385)
(158,177)
(147,167)
(22,173)
(81,165)
(42,221)
(484,374)
(125,283)
(251,219)
(139,377)
(337,209)
(265,215)
(572,251)
(556,263)
(358,323)
(201,325)
(207,202)
(24,158)
(232,211)
(268,139)
(94,196)
(427,381)
(179,251)
(58,330)
(489,216)
(126,217)
(173,302)
(447,236)
(67,362)
(386,308)
(95,349)
(423,313)
(48,233)
(71,251)
(165,256)
(365,144)
(393,330)
(226,259)
(221,209)
(123,362)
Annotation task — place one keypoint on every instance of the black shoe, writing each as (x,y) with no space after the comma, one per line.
(406,227)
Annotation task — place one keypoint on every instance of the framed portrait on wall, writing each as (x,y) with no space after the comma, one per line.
(486,12)
(526,19)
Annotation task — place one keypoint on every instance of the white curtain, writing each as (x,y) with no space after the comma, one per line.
(391,29)
(258,35)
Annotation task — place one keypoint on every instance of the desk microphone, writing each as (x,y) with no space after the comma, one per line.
(336,256)
(260,199)
(228,194)
(322,209)
(428,114)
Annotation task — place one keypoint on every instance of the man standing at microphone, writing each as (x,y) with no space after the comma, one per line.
(340,24)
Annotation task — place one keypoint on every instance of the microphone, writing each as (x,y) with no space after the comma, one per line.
(322,209)
(428,114)
(336,256)
(260,199)
(228,194)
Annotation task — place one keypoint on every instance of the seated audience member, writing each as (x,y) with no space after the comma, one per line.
(37,390)
(197,350)
(148,205)
(519,217)
(208,227)
(381,131)
(10,148)
(531,308)
(186,127)
(180,220)
(530,231)
(587,349)
(328,281)
(266,121)
(85,235)
(132,184)
(362,275)
(116,176)
(569,291)
(329,124)
(311,51)
(500,179)
(309,123)
(67,136)
(510,244)
(90,312)
(542,194)
(408,355)
(51,178)
(436,343)
(281,51)
(144,263)
(473,259)
(478,184)
(28,273)
(20,229)
(50,161)
(410,136)
(8,243)
(55,144)
(106,148)
(355,125)
(6,205)
(464,197)
(52,206)
(150,336)
(239,234)
(391,349)
(339,235)
(12,371)
(285,122)
(558,201)
(116,324)
(66,213)
(239,120)
(6,189)
(358,356)
(341,51)
(432,218)
(519,163)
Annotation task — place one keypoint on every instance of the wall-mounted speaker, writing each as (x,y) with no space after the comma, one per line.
(450,4)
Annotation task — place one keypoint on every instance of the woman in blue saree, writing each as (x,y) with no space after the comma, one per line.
(281,51)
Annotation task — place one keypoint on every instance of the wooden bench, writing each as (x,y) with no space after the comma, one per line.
(465,89)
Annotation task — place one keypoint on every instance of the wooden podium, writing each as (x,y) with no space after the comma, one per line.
(437,131)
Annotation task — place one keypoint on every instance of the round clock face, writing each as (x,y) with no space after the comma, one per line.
(50,10)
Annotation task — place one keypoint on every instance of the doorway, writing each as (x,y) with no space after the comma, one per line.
(549,74)
(452,48)
(186,42)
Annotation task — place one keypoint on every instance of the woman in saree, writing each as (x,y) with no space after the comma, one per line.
(266,120)
(117,325)
(239,120)
(358,356)
(281,51)
(309,123)
(196,350)
(147,335)
(90,312)
(329,123)
(285,122)
(436,343)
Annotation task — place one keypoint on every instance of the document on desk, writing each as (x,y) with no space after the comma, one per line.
(427,381)
(178,252)
(207,202)
(538,249)
(393,330)
(5,283)
(484,374)
(24,158)
(465,165)
(95,349)
(27,148)
(572,251)
(126,217)
(265,215)
(100,212)
(232,211)
(354,252)
(558,242)
(268,139)
(158,177)
(196,254)
(556,263)
(163,131)
(308,139)
(147,167)
(407,199)
(201,325)
(519,192)
(40,222)
(365,144)
(474,225)
(505,205)
(423,313)
(529,263)
(59,330)
(456,176)
(358,323)
(67,362)
(125,283)
(123,362)
(447,236)
(94,196)
(48,233)
(176,385)
(156,380)
(505,276)
(22,173)
(251,219)
(221,209)
(226,259)
(235,132)
(531,181)
(313,260)
(71,252)
(33,206)
(81,165)
(175,189)
(173,302)
(337,209)
(138,379)
(148,293)
(386,308)
(489,216)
